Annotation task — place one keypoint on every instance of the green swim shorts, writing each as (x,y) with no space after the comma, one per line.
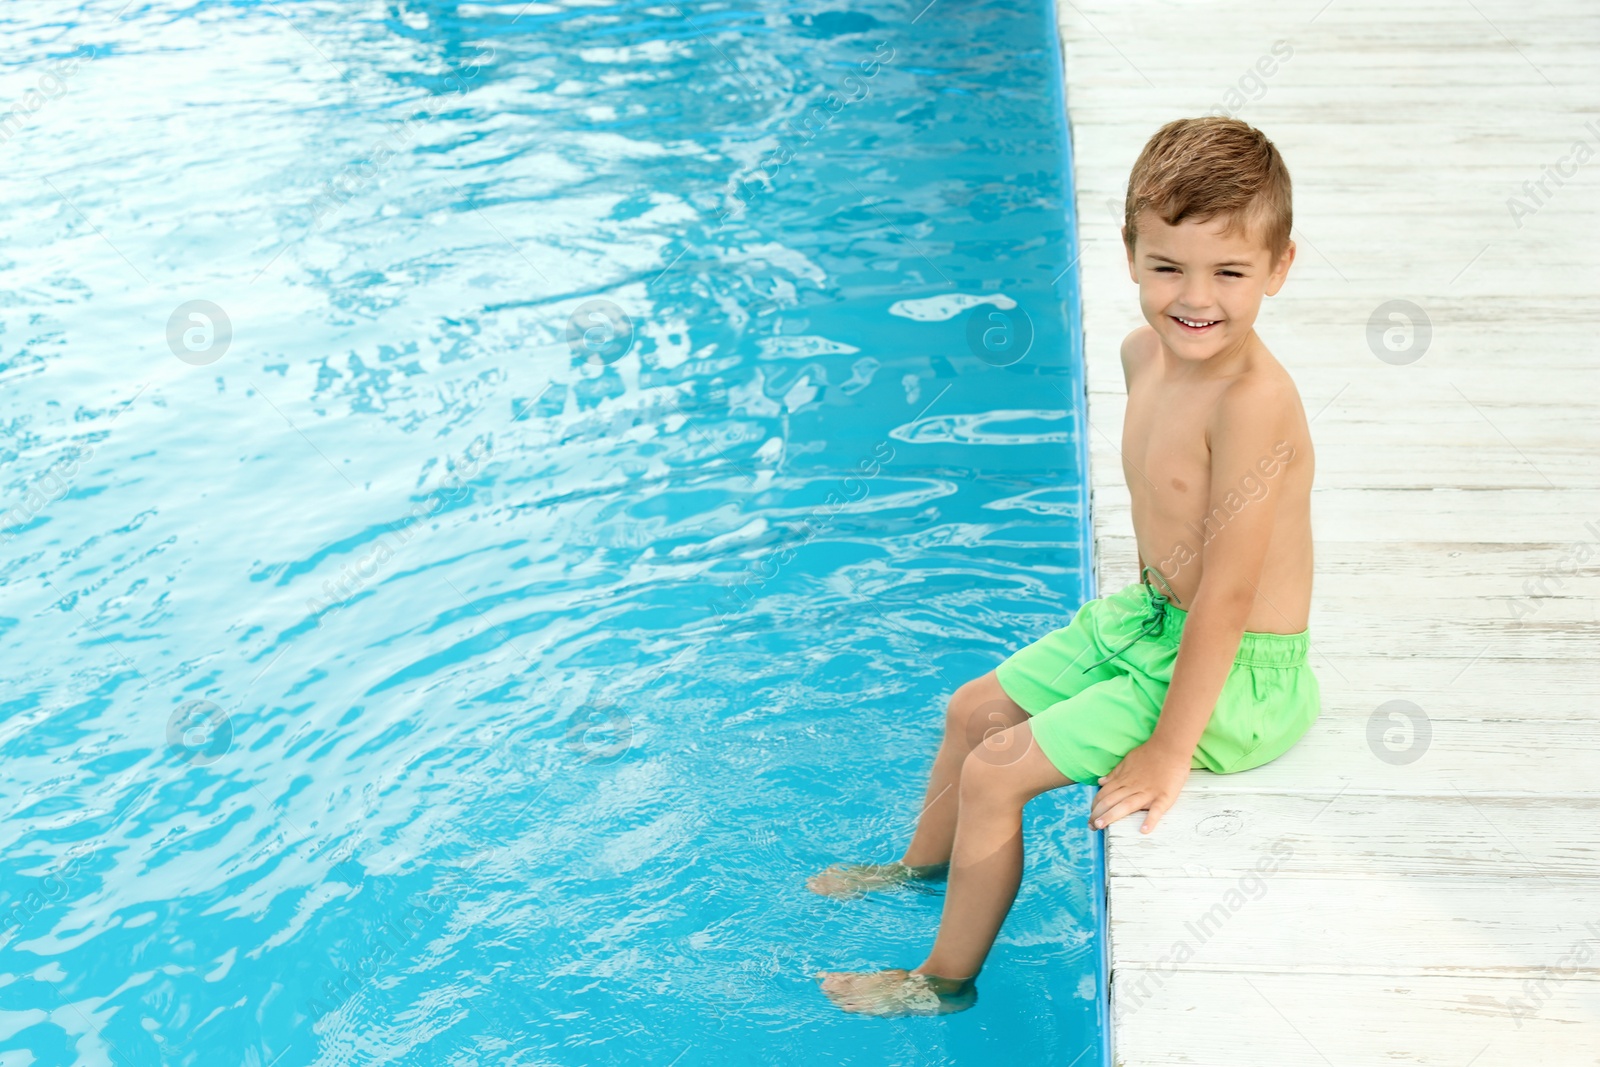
(1094,688)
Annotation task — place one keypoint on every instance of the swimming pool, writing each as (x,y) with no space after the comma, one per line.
(498,494)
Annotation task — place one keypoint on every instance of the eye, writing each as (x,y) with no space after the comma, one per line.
(1160,269)
(1232,274)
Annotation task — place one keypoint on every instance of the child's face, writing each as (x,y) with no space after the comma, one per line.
(1196,272)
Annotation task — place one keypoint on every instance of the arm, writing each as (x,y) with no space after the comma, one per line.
(1249,420)
(1131,353)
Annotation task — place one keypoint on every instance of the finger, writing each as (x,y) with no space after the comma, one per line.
(1107,796)
(1126,806)
(1157,809)
(1110,796)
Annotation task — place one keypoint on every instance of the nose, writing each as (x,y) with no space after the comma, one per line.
(1197,290)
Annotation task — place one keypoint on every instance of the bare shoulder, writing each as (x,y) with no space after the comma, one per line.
(1138,350)
(1260,411)
(1261,401)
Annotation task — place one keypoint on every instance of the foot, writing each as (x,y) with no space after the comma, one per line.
(846,881)
(897,992)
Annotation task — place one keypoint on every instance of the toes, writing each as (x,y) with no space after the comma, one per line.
(836,982)
(893,992)
(822,884)
(846,988)
(830,882)
(865,992)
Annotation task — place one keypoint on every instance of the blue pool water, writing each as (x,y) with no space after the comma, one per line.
(498,494)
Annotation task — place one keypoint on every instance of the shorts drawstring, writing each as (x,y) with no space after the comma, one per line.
(1153,622)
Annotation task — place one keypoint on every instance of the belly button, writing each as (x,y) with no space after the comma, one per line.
(1178,484)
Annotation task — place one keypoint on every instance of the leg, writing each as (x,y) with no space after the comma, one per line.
(997,779)
(980,714)
(977,711)
(986,868)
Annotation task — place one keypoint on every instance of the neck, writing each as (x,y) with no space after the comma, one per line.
(1226,363)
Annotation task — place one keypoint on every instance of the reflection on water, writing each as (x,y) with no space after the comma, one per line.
(497,494)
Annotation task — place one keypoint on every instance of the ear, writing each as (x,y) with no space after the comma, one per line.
(1280,271)
(1133,275)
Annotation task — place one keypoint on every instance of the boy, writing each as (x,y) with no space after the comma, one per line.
(1200,663)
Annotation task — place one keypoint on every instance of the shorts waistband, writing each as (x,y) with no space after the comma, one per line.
(1255,649)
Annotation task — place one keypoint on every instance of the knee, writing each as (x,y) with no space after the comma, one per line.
(960,711)
(978,711)
(988,772)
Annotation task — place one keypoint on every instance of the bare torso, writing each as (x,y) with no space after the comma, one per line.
(1166,459)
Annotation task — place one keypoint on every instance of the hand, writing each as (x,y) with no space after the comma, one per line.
(1149,777)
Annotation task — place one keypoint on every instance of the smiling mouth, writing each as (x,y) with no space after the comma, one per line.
(1195,326)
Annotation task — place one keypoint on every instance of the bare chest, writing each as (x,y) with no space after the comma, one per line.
(1164,454)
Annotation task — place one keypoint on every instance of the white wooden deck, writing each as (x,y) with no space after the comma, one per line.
(1441,905)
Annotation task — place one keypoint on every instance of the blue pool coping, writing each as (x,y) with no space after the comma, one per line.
(1073,299)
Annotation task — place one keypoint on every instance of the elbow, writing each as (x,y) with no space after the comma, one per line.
(1228,605)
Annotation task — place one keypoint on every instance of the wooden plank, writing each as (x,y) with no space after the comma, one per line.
(1244,1019)
(1342,832)
(1453,511)
(1424,513)
(1266,920)
(1409,743)
(1476,569)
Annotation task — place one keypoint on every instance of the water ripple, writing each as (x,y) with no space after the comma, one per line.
(556,537)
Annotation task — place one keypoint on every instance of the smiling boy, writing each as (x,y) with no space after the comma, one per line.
(1200,663)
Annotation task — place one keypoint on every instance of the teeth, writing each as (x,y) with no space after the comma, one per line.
(1188,322)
